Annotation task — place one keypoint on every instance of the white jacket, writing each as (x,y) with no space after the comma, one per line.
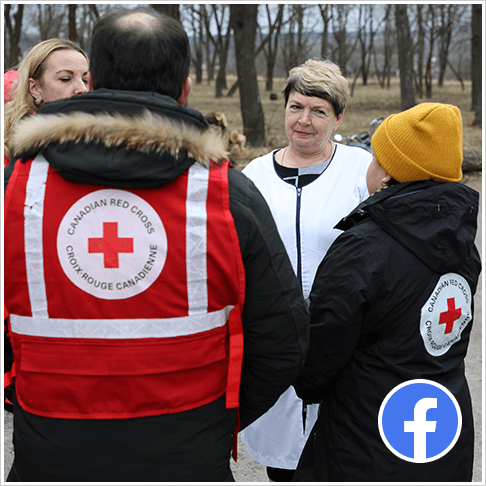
(305,218)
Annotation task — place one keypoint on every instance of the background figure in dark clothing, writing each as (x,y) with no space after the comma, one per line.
(149,293)
(379,301)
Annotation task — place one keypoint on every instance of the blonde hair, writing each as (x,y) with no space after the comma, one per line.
(32,66)
(321,78)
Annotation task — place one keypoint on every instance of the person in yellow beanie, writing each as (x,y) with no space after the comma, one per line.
(424,142)
(391,315)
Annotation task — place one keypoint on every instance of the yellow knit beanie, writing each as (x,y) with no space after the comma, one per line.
(421,143)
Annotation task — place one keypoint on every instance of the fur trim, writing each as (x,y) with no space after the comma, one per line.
(146,133)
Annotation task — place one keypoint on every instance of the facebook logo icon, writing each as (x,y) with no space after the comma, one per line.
(420,421)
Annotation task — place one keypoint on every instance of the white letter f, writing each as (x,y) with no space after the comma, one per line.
(420,426)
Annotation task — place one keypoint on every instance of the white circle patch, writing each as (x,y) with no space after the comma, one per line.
(112,244)
(445,314)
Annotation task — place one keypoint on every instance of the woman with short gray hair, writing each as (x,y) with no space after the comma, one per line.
(309,185)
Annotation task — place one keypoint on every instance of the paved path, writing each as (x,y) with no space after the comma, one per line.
(248,470)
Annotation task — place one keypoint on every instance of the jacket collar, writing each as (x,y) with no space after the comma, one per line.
(436,221)
(362,211)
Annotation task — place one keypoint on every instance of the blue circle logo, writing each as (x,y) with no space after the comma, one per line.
(420,421)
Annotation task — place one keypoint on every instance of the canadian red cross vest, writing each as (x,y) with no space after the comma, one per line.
(122,303)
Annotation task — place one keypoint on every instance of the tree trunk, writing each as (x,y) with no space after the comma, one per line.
(198,64)
(272,44)
(221,47)
(244,24)
(363,38)
(340,24)
(476,64)
(388,42)
(339,19)
(405,57)
(72,21)
(235,86)
(51,20)
(223,57)
(170,9)
(353,85)
(12,47)
(428,67)
(456,73)
(420,52)
(270,69)
(326,12)
(233,89)
(445,33)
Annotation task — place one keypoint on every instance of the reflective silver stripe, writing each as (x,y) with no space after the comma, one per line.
(118,328)
(196,239)
(34,253)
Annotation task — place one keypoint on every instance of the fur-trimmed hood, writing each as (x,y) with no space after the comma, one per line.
(119,138)
(145,133)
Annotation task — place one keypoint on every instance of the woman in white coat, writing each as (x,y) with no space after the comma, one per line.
(309,186)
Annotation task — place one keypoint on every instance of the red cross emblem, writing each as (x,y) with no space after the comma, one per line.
(450,316)
(110,245)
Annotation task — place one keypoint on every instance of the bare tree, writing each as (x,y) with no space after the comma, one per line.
(449,17)
(384,74)
(85,21)
(198,18)
(244,24)
(220,42)
(72,21)
(366,36)
(461,43)
(296,39)
(195,25)
(431,39)
(50,20)
(345,47)
(257,51)
(405,57)
(270,48)
(326,16)
(13,30)
(476,64)
(210,56)
(419,49)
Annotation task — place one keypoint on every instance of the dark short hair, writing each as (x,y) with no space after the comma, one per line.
(131,58)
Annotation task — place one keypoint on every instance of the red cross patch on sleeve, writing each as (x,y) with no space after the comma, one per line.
(445,314)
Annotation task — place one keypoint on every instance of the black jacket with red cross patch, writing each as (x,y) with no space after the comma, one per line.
(126,152)
(392,302)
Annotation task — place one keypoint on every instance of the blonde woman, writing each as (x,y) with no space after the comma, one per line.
(52,70)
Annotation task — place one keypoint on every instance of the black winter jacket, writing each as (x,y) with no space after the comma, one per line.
(145,140)
(366,338)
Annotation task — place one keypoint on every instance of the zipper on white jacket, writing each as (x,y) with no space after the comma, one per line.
(297,234)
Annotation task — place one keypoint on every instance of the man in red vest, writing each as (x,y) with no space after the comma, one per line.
(152,307)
